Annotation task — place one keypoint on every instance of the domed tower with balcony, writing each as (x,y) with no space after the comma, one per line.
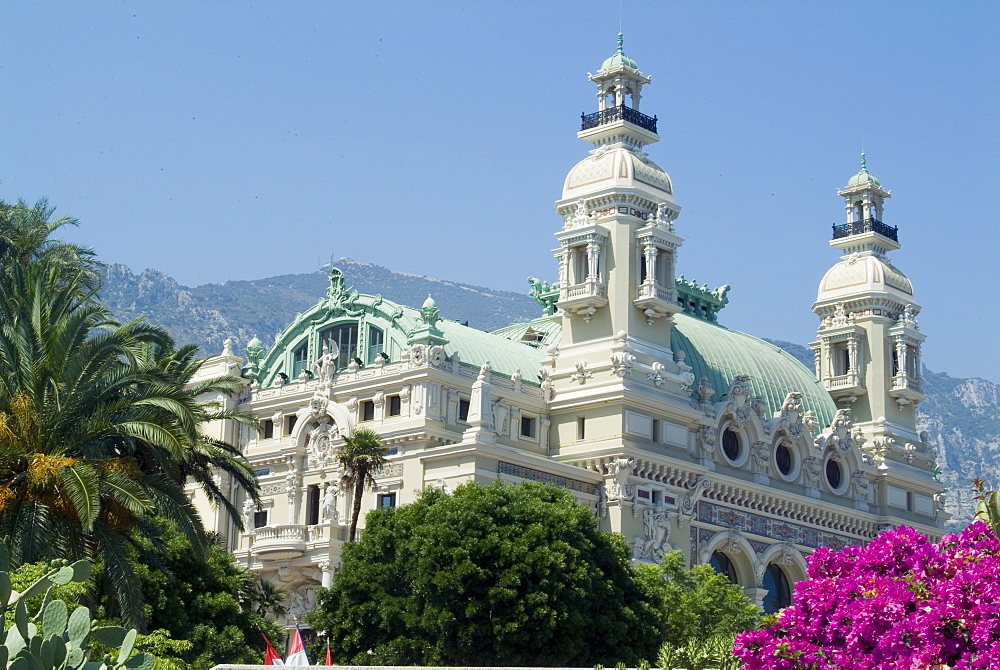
(868,347)
(617,245)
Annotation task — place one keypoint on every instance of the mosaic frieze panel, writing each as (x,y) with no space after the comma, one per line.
(270,489)
(391,470)
(547,477)
(755,524)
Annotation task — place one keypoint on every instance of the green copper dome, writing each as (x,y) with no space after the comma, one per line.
(720,354)
(863,176)
(717,353)
(619,58)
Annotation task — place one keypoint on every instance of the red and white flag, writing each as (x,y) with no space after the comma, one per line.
(296,650)
(271,656)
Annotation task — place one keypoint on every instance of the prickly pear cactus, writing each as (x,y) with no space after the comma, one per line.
(55,638)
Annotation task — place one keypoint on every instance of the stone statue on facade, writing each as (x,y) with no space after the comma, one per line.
(248,509)
(330,513)
(325,366)
(656,527)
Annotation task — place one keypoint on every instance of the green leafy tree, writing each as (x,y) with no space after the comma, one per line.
(701,612)
(197,608)
(498,575)
(361,456)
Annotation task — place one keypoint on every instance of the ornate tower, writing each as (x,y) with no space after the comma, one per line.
(868,347)
(617,246)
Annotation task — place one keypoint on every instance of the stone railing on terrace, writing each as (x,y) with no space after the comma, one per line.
(906,382)
(590,288)
(282,532)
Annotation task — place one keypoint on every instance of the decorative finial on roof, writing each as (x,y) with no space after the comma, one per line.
(429,313)
(864,164)
(621,44)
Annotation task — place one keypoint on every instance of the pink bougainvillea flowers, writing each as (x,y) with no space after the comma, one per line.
(901,603)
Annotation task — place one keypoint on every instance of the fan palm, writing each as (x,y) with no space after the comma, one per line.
(362,456)
(89,440)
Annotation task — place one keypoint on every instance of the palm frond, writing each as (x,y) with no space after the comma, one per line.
(80,485)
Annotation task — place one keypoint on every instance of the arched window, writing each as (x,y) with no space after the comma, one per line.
(344,340)
(724,566)
(859,211)
(610,99)
(376,343)
(300,359)
(779,589)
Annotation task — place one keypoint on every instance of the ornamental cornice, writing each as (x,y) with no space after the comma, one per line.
(591,233)
(862,307)
(684,480)
(807,511)
(613,198)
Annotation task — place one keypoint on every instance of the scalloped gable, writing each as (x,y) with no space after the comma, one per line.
(399,324)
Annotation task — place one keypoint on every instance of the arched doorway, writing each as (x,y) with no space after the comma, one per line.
(779,589)
(724,566)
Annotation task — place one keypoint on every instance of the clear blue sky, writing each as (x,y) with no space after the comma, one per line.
(225,140)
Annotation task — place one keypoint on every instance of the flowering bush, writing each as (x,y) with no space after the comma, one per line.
(900,602)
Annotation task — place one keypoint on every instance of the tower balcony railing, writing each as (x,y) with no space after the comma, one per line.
(865,226)
(647,290)
(900,382)
(619,113)
(849,380)
(587,289)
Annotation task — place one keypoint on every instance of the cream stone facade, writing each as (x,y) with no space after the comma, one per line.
(677,432)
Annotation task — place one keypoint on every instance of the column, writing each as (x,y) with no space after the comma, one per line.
(650,252)
(901,359)
(592,255)
(326,573)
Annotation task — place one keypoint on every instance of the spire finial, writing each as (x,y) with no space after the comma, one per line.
(621,44)
(864,164)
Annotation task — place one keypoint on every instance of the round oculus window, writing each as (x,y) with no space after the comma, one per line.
(834,474)
(783,459)
(731,444)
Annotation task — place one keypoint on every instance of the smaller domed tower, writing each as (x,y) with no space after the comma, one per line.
(868,353)
(868,347)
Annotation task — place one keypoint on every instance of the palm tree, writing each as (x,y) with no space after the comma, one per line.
(26,239)
(89,439)
(98,430)
(361,456)
(264,598)
(205,457)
